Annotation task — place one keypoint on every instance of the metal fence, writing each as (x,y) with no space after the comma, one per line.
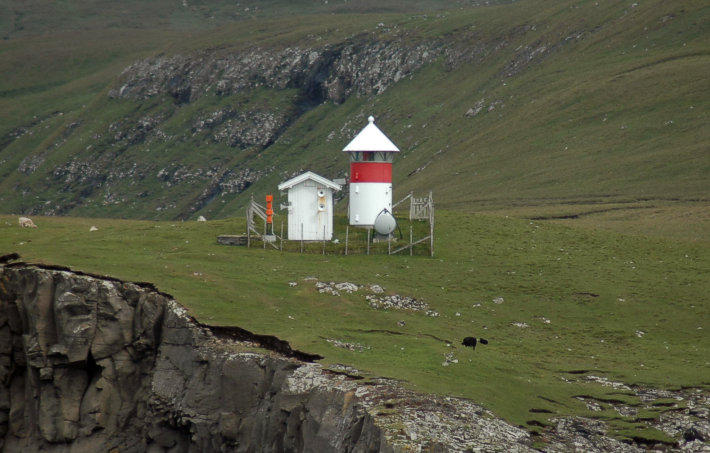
(417,238)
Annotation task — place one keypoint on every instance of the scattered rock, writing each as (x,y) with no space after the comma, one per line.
(396,302)
(347,287)
(607,383)
(476,109)
(345,345)
(377,300)
(591,404)
(449,358)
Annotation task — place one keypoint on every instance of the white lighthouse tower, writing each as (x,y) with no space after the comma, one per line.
(371,156)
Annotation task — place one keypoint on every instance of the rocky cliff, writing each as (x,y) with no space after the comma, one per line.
(96,364)
(319,73)
(90,363)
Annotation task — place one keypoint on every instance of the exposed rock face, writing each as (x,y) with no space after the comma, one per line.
(331,73)
(96,364)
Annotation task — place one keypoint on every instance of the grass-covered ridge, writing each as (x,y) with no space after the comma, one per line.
(628,308)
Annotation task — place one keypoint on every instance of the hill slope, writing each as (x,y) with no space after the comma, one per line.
(517,104)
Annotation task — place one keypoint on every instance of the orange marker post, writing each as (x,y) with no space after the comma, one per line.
(270,211)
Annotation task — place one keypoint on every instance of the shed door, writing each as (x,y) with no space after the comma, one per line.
(305,215)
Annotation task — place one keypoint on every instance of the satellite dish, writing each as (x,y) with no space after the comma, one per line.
(385,223)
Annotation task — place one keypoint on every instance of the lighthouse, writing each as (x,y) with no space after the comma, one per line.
(371,155)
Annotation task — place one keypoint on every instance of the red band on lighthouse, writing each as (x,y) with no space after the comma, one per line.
(370,172)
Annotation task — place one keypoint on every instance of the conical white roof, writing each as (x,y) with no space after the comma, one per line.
(371,138)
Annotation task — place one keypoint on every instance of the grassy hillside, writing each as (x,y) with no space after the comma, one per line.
(533,104)
(31,17)
(557,304)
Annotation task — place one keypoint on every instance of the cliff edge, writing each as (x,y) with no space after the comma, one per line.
(91,363)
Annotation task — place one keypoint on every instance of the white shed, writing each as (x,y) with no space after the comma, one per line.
(310,207)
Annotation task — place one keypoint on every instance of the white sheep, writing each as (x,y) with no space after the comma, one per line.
(26,222)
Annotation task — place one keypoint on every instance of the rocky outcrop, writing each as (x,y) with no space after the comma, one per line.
(91,363)
(325,73)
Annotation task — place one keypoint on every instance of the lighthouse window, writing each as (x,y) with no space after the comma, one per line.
(384,156)
(371,156)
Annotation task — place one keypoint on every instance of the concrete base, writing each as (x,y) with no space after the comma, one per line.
(232,239)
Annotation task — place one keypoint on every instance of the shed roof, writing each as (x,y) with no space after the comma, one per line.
(306,176)
(371,138)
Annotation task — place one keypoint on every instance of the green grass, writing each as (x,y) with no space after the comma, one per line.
(597,289)
(33,17)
